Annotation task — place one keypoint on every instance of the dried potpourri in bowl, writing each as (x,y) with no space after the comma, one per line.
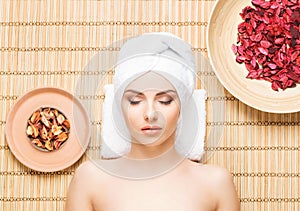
(48,129)
(45,99)
(268,42)
(222,33)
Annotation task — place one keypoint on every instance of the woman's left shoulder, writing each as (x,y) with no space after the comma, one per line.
(216,171)
(209,172)
(217,181)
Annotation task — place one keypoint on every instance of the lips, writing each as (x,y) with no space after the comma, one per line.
(151,129)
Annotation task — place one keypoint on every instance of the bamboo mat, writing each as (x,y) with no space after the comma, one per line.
(50,43)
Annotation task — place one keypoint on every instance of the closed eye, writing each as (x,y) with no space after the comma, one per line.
(134,102)
(165,102)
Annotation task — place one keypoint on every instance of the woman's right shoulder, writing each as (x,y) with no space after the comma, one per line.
(84,186)
(85,168)
(89,170)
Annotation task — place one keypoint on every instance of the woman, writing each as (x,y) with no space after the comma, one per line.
(153,126)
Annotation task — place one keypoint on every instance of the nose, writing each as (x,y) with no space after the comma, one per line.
(150,114)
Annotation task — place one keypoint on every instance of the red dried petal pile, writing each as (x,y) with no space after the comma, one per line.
(268,42)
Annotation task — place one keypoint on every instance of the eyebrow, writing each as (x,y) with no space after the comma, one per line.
(160,93)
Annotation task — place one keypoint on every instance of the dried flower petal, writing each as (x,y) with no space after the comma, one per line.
(44,120)
(29,131)
(57,144)
(37,142)
(49,146)
(263,51)
(56,130)
(44,133)
(60,119)
(66,123)
(32,130)
(234,48)
(62,137)
(35,116)
(272,66)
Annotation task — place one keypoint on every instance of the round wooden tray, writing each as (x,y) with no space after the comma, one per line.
(221,34)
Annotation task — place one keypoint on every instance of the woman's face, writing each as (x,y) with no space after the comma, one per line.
(151,109)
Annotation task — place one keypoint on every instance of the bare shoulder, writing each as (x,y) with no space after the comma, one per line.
(217,174)
(83,172)
(218,182)
(214,176)
(88,177)
(86,167)
(210,172)
(84,187)
(89,172)
(83,177)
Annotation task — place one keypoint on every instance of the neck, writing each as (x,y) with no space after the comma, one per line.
(146,161)
(144,164)
(141,151)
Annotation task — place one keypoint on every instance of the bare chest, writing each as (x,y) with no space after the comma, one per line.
(155,195)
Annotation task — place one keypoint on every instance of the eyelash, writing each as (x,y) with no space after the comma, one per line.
(135,102)
(166,102)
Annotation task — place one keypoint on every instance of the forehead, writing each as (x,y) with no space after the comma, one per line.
(150,81)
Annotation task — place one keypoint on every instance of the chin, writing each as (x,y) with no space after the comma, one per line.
(149,142)
(153,141)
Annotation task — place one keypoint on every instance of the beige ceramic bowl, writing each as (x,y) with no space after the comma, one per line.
(221,34)
(69,152)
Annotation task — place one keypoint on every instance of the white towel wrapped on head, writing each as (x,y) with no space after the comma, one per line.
(171,57)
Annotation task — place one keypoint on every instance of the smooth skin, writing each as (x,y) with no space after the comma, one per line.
(151,116)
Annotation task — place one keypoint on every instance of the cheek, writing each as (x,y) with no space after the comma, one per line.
(172,116)
(131,116)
